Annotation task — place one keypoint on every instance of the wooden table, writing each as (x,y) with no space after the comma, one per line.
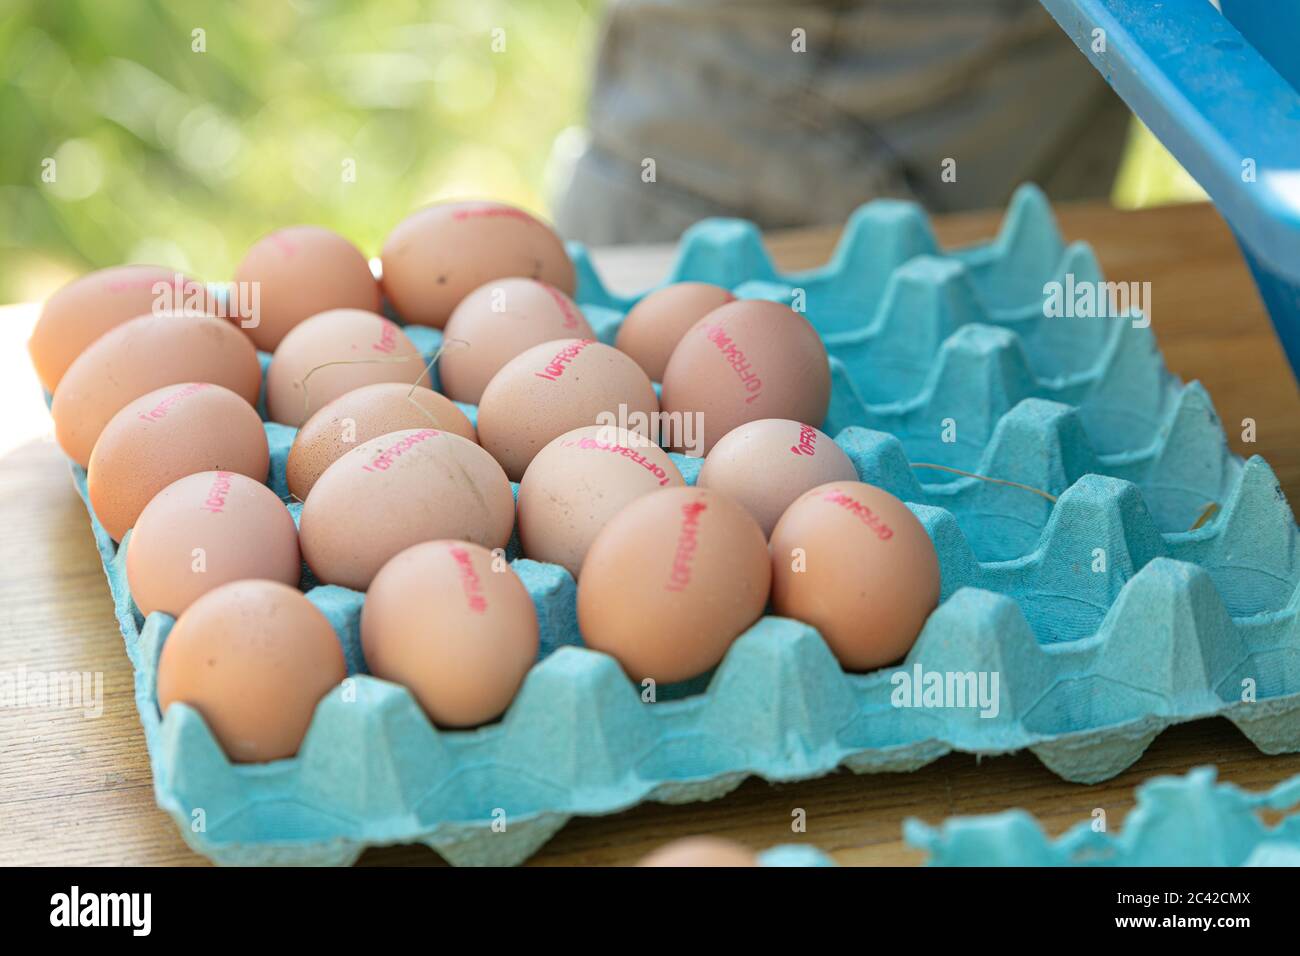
(78,791)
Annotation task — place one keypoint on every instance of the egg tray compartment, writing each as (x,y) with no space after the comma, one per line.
(1118,656)
(1191,820)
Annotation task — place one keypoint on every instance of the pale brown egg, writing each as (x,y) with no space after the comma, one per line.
(87,307)
(556,387)
(654,326)
(701,851)
(165,435)
(254,658)
(332,353)
(496,322)
(439,254)
(205,530)
(745,361)
(452,623)
(854,562)
(144,354)
(767,464)
(578,482)
(398,490)
(364,413)
(302,271)
(671,581)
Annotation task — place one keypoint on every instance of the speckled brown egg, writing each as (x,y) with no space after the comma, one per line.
(206,530)
(767,464)
(671,581)
(144,354)
(302,271)
(254,658)
(854,562)
(87,307)
(496,322)
(364,413)
(398,490)
(332,353)
(745,361)
(658,322)
(556,387)
(439,254)
(453,623)
(165,435)
(578,482)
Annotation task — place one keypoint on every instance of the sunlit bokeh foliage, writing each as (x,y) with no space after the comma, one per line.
(164,153)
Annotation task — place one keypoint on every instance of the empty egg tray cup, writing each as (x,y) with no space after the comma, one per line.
(1106,618)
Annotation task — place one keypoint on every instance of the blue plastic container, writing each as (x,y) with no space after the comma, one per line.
(1221,90)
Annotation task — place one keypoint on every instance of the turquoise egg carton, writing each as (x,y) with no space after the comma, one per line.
(1104,615)
(1178,821)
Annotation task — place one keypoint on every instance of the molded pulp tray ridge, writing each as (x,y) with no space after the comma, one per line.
(1102,618)
(1178,821)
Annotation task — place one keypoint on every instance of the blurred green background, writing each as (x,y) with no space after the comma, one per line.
(166,154)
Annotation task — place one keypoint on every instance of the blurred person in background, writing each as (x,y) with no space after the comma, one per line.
(792,114)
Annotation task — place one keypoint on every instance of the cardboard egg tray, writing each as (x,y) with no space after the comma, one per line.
(1178,821)
(1103,616)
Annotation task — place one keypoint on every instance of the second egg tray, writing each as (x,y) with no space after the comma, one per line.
(1178,821)
(1103,615)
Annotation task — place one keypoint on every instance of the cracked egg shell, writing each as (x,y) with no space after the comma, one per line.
(398,490)
(360,415)
(439,254)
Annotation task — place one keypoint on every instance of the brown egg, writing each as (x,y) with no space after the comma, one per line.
(360,415)
(578,482)
(141,355)
(332,353)
(496,322)
(701,851)
(746,361)
(302,271)
(165,435)
(556,387)
(658,322)
(439,254)
(855,563)
(205,530)
(454,625)
(767,464)
(86,308)
(254,658)
(671,581)
(398,490)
